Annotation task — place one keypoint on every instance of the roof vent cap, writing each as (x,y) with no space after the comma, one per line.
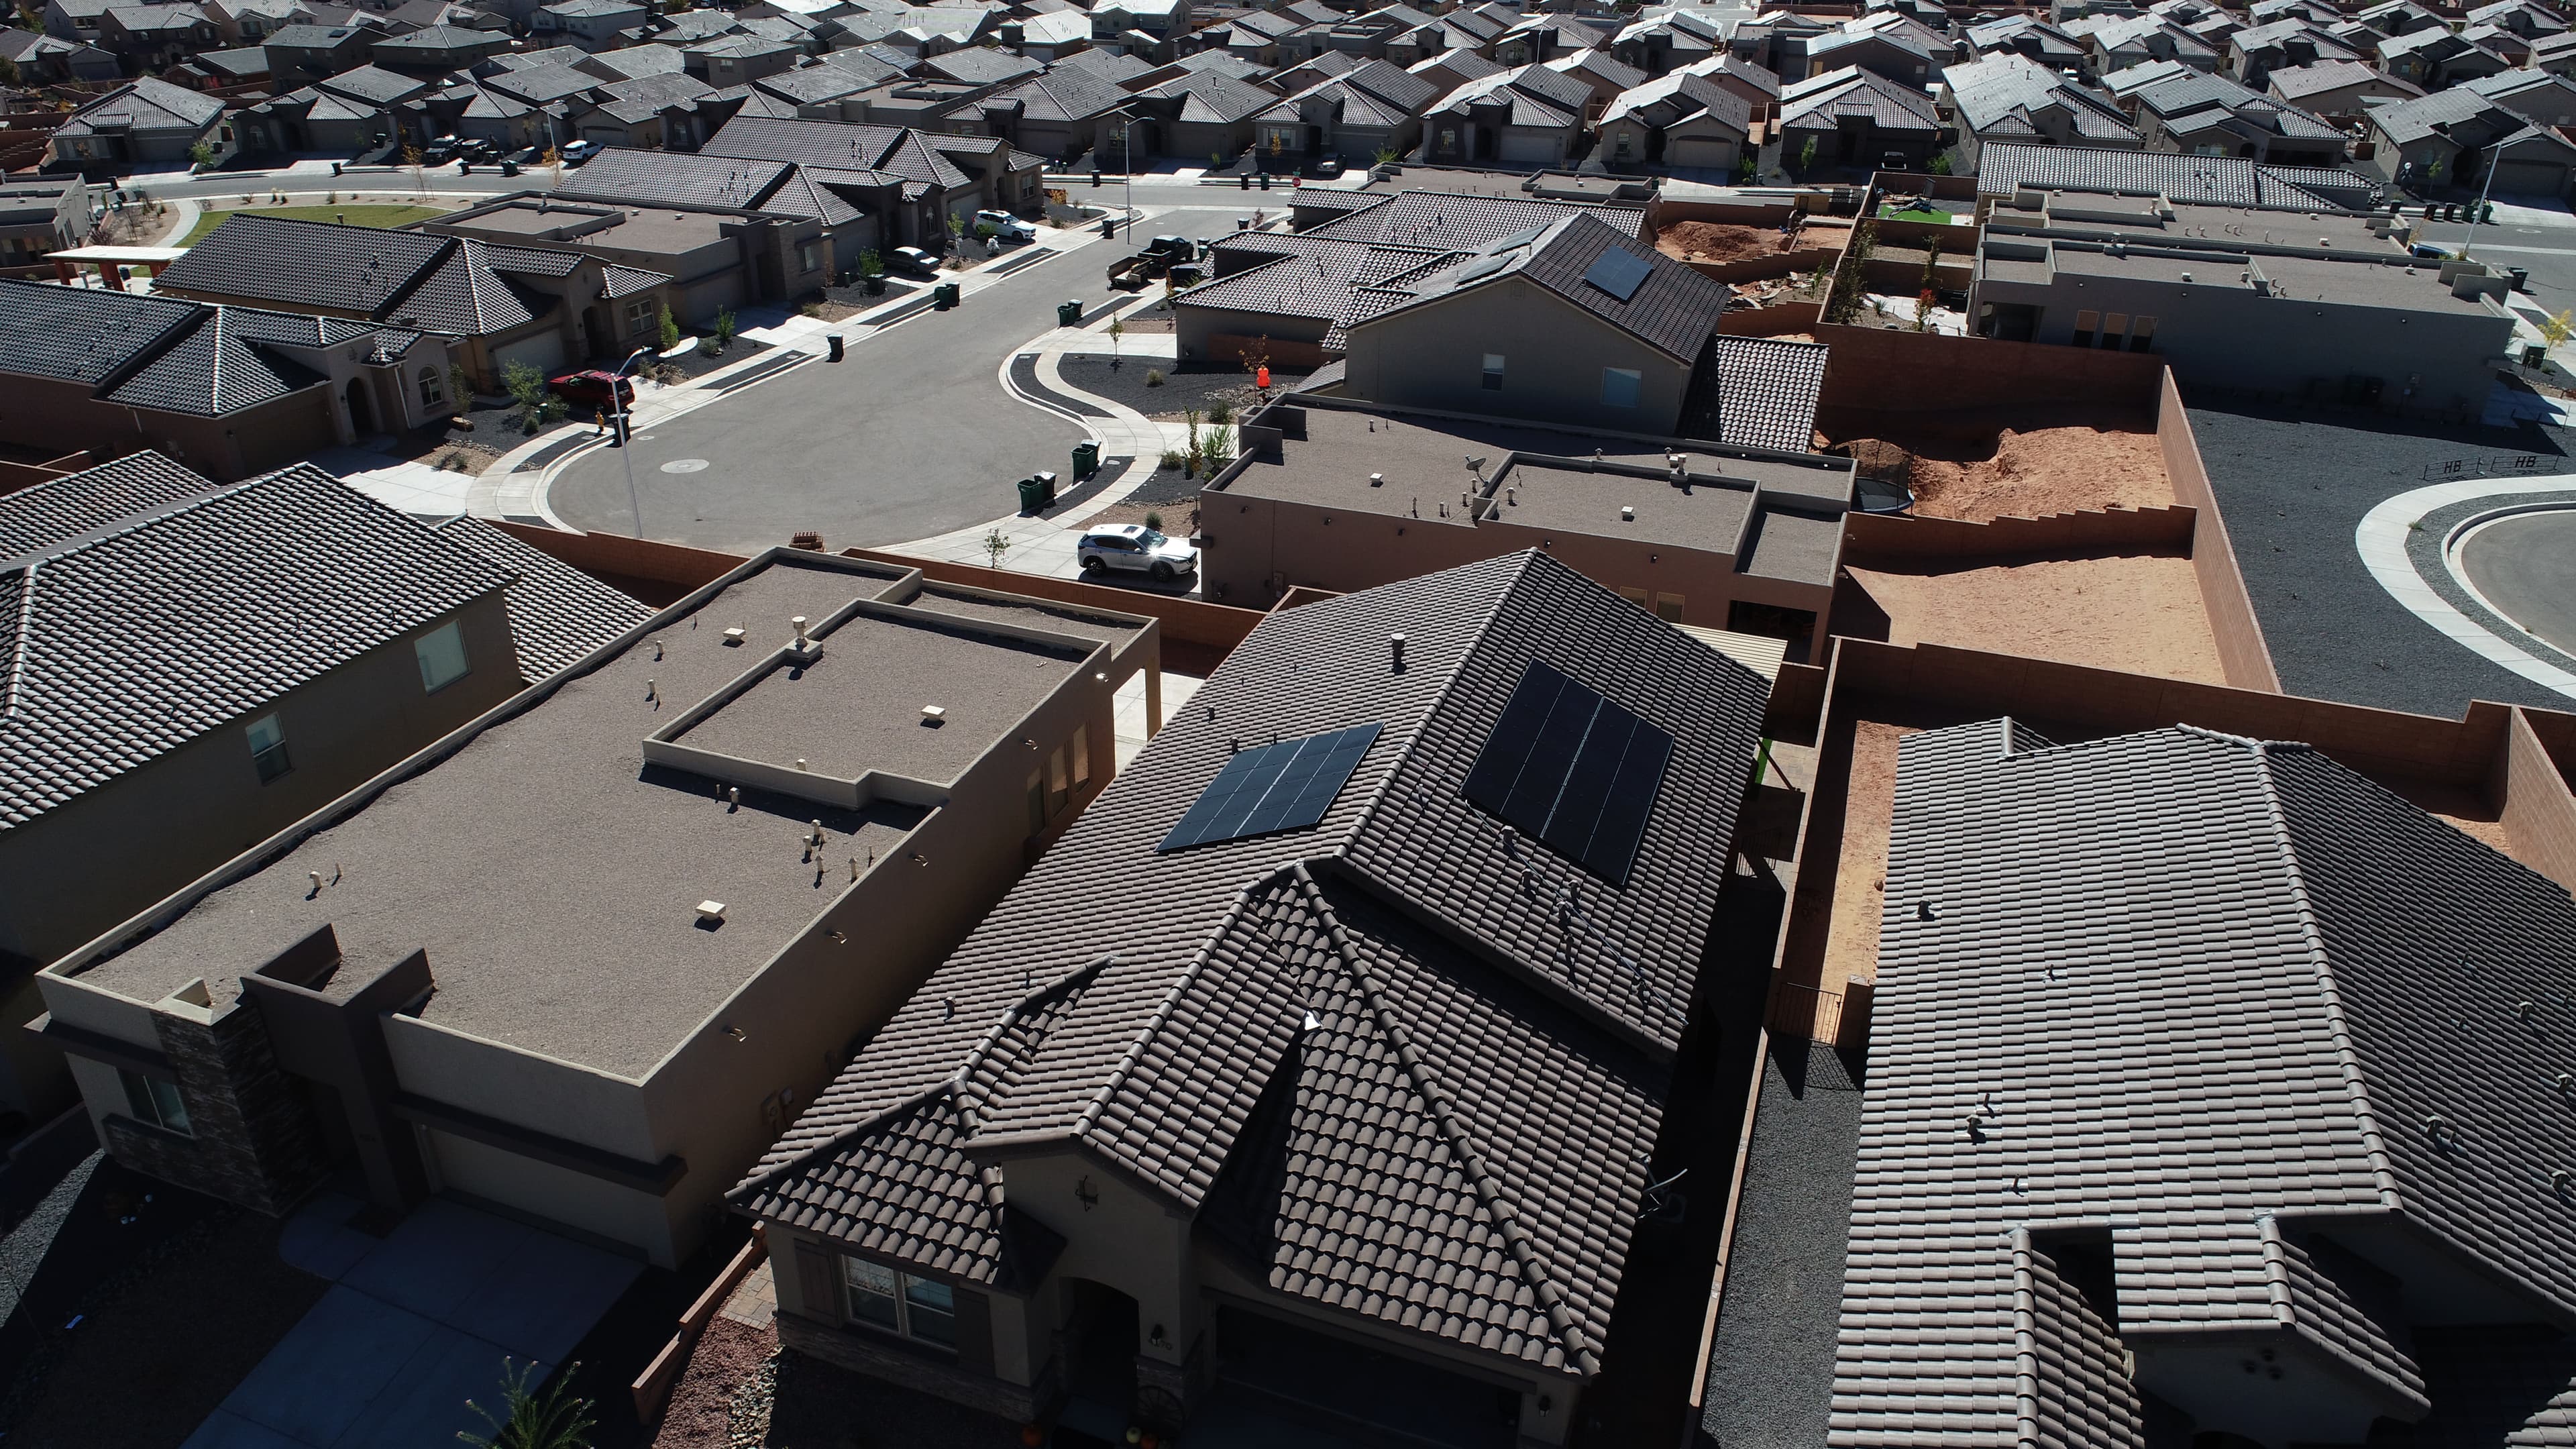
(734,635)
(710,912)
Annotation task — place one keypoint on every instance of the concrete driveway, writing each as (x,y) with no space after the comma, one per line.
(911,436)
(418,1323)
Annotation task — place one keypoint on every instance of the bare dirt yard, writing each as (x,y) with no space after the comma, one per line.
(2023,473)
(1851,933)
(1710,241)
(2134,612)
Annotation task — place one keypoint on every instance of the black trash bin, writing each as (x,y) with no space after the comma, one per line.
(1086,459)
(834,342)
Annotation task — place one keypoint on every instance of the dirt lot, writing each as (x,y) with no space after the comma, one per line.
(1851,933)
(1709,241)
(2139,613)
(2025,474)
(726,1356)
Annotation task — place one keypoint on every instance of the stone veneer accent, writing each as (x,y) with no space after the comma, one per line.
(881,1358)
(254,1139)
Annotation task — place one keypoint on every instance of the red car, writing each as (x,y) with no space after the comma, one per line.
(593,389)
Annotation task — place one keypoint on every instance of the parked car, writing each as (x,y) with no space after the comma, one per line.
(576,152)
(524,156)
(1134,548)
(913,261)
(441,151)
(1324,170)
(595,388)
(479,151)
(1007,227)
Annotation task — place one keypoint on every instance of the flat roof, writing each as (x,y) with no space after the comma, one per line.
(644,229)
(2348,281)
(551,874)
(1538,477)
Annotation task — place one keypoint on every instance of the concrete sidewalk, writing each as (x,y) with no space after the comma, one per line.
(418,1323)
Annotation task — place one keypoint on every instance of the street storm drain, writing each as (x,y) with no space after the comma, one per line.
(685,465)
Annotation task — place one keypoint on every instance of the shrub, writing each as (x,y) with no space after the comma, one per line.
(871,264)
(670,330)
(811,309)
(709,347)
(724,327)
(201,154)
(1154,521)
(1172,459)
(985,231)
(452,462)
(1220,411)
(1941,164)
(1153,377)
(333,199)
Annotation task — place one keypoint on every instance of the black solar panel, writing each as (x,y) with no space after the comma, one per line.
(1573,771)
(1619,272)
(1283,786)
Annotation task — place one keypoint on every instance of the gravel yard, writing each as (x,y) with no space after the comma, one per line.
(1185,385)
(1869,809)
(2022,474)
(740,1392)
(2293,486)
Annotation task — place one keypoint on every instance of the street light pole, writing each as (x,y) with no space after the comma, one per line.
(626,435)
(2484,192)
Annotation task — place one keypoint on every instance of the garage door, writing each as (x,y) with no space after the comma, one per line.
(1269,1369)
(544,352)
(2531,178)
(1705,151)
(1541,149)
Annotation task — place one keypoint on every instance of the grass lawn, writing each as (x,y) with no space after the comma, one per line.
(1918,214)
(372,215)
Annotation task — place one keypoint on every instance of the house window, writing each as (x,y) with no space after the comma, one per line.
(1668,607)
(1059,786)
(267,747)
(2114,327)
(2085,323)
(432,391)
(639,315)
(1082,754)
(1619,386)
(149,1099)
(1493,372)
(899,1303)
(441,652)
(806,260)
(2142,335)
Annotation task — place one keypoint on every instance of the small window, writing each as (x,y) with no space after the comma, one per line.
(2085,324)
(2142,335)
(806,260)
(1037,803)
(1668,607)
(2114,327)
(149,1099)
(432,390)
(916,1308)
(1637,597)
(442,657)
(1493,372)
(268,747)
(1082,754)
(1059,786)
(640,316)
(1619,386)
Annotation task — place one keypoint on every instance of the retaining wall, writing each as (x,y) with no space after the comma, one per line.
(2242,655)
(675,568)
(1875,539)
(2530,788)
(1770,321)
(1880,372)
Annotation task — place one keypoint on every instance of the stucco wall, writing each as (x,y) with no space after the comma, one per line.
(1554,354)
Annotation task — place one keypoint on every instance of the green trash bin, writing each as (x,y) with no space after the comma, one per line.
(944,296)
(1032,500)
(1086,459)
(1069,314)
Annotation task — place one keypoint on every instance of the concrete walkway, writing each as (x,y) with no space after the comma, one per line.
(416,1324)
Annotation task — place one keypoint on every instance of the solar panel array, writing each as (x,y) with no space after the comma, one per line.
(1283,786)
(1619,272)
(1572,770)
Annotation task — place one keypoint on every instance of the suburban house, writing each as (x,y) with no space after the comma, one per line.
(1063,113)
(37,217)
(1756,87)
(2213,115)
(1342,492)
(2353,1230)
(650,112)
(2459,133)
(215,70)
(1376,107)
(1859,118)
(162,689)
(2437,58)
(230,391)
(1196,114)
(1049,38)
(2029,37)
(1605,76)
(2121,41)
(303,54)
(1375,1106)
(1680,120)
(2345,312)
(587,24)
(439,49)
(911,179)
(1543,37)
(2013,99)
(1899,47)
(144,124)
(2536,96)
(2004,172)
(2340,90)
(149,37)
(2555,54)
(842,768)
(1661,41)
(44,59)
(75,19)
(496,305)
(1525,116)
(718,258)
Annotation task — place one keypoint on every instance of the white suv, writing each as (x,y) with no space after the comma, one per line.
(1007,227)
(1136,549)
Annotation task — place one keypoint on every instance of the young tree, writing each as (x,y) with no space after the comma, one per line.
(2555,330)
(1807,156)
(1197,454)
(669,331)
(995,544)
(1117,329)
(1941,164)
(528,1420)
(412,159)
(1851,277)
(200,155)
(460,385)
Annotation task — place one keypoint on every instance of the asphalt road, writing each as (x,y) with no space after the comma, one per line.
(2547,252)
(2526,567)
(911,436)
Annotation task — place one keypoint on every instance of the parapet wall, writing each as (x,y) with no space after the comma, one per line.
(2242,654)
(1872,540)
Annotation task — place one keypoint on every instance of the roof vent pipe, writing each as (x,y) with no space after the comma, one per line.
(799,623)
(1395,651)
(1377,480)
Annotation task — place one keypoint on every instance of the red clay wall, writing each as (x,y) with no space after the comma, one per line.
(624,561)
(1877,371)
(1871,540)
(2242,654)
(2538,812)
(1770,321)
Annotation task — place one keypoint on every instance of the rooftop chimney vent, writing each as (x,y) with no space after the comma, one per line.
(1395,651)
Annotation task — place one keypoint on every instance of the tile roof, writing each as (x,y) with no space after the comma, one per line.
(2300,81)
(2310,1023)
(2009,94)
(373,84)
(980,65)
(1766,390)
(834,144)
(81,334)
(145,632)
(1456,1145)
(617,281)
(647,96)
(1451,221)
(2185,103)
(2004,167)
(1064,93)
(558,614)
(170,355)
(1823,102)
(1671,99)
(542,84)
(1211,97)
(143,105)
(1673,310)
(1536,96)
